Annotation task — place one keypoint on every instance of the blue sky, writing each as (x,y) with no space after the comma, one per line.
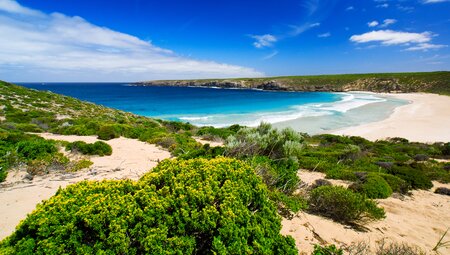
(132,40)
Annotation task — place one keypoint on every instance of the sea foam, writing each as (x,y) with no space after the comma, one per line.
(348,102)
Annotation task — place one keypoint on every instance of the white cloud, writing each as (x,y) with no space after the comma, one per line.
(350,8)
(385,5)
(56,46)
(373,23)
(390,37)
(426,47)
(388,22)
(414,41)
(324,35)
(263,41)
(435,1)
(405,8)
(12,6)
(271,55)
(297,30)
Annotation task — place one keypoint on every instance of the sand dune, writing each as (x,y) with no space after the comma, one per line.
(130,160)
(420,219)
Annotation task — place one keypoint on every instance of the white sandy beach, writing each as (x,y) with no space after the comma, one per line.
(425,119)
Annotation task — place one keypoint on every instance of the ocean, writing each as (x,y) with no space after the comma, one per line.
(312,112)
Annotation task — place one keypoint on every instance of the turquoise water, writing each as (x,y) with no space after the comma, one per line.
(311,112)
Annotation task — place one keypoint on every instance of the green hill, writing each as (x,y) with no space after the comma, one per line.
(431,82)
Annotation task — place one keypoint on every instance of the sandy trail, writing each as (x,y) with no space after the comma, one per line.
(420,219)
(426,119)
(130,160)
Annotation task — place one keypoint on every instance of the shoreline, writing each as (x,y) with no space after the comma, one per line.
(425,119)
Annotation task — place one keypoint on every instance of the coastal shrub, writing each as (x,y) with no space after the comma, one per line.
(343,205)
(327,250)
(433,170)
(98,148)
(222,133)
(80,164)
(373,186)
(36,148)
(446,149)
(414,177)
(341,173)
(206,151)
(327,139)
(175,126)
(281,174)
(264,141)
(25,127)
(197,206)
(184,143)
(47,163)
(397,184)
(288,205)
(108,132)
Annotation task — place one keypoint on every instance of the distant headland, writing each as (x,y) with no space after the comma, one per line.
(431,82)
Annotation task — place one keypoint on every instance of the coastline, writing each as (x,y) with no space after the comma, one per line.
(426,119)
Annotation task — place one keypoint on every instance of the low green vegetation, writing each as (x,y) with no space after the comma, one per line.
(80,164)
(327,250)
(37,154)
(373,186)
(98,148)
(343,205)
(377,168)
(274,155)
(182,207)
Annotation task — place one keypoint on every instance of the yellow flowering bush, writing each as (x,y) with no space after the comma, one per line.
(217,206)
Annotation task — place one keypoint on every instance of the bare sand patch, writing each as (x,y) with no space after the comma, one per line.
(130,160)
(211,143)
(419,220)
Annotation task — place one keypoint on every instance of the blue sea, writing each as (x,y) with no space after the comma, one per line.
(312,112)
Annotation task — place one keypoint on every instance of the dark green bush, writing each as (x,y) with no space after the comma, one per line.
(222,133)
(206,151)
(374,186)
(36,148)
(281,174)
(108,132)
(343,205)
(397,184)
(414,177)
(341,174)
(98,148)
(28,128)
(327,250)
(181,207)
